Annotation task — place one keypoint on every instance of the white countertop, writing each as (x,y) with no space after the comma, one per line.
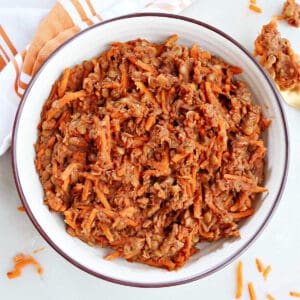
(278,245)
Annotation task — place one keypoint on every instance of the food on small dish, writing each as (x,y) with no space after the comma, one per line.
(279,59)
(151,148)
(291,12)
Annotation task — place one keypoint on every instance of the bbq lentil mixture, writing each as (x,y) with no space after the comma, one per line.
(150,149)
(291,12)
(278,57)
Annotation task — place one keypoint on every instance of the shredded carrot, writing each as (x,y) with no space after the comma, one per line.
(236,70)
(86,189)
(144,90)
(277,18)
(124,75)
(295,294)
(239,280)
(266,272)
(251,291)
(112,255)
(197,206)
(18,258)
(101,197)
(142,65)
(163,101)
(255,8)
(20,262)
(194,51)
(63,83)
(171,40)
(270,297)
(94,61)
(179,156)
(150,121)
(110,85)
(87,223)
(36,251)
(242,214)
(21,208)
(64,101)
(106,232)
(205,54)
(259,265)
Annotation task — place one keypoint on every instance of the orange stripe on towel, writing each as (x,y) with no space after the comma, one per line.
(22,84)
(17,77)
(81,12)
(4,53)
(92,9)
(8,41)
(2,63)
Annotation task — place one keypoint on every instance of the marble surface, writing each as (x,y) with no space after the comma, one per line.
(278,245)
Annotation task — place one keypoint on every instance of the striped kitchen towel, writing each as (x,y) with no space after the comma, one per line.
(22,51)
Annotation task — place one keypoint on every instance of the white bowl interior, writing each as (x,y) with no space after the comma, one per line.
(92,43)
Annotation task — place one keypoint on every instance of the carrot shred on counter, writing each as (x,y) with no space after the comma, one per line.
(277,18)
(255,8)
(38,250)
(18,258)
(251,291)
(259,265)
(239,280)
(22,261)
(270,297)
(266,272)
(21,208)
(295,294)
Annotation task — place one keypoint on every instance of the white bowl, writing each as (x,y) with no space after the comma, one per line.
(90,43)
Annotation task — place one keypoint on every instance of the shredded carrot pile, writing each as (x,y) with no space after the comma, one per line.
(22,261)
(151,148)
(295,294)
(21,208)
(254,7)
(251,291)
(239,280)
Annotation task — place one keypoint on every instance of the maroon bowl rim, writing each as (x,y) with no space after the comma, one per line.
(210,271)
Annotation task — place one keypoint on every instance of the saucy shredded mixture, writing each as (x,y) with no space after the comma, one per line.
(278,57)
(150,149)
(291,12)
